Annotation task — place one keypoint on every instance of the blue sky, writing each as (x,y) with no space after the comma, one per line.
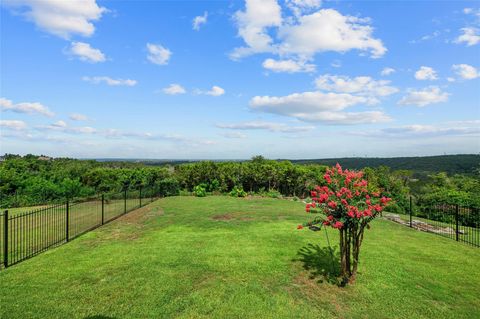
(233,79)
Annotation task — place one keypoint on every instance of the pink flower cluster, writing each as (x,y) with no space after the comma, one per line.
(345,197)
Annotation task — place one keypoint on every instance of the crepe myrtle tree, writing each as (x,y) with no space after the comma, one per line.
(348,204)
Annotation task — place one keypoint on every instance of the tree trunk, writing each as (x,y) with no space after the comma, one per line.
(343,261)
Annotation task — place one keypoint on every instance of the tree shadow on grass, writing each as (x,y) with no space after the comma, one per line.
(323,263)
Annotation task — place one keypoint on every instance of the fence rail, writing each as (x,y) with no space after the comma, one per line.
(457,222)
(33,231)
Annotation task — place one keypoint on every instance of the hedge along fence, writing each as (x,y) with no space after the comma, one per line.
(26,234)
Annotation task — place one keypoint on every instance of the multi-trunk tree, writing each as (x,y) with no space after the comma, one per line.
(345,203)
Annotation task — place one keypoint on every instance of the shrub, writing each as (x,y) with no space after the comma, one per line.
(168,187)
(238,192)
(200,190)
(273,194)
(345,203)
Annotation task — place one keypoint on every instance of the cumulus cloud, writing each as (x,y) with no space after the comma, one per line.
(60,18)
(13,125)
(288,66)
(329,30)
(300,7)
(304,35)
(214,91)
(362,85)
(253,24)
(78,117)
(86,53)
(387,71)
(109,81)
(199,20)
(268,126)
(319,107)
(423,97)
(174,89)
(465,71)
(470,36)
(25,107)
(158,54)
(426,73)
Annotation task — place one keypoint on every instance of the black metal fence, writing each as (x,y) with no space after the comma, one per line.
(453,221)
(24,234)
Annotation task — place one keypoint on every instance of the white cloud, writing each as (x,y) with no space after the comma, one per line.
(362,85)
(268,126)
(426,96)
(302,36)
(86,53)
(158,54)
(471,11)
(174,89)
(319,107)
(252,26)
(470,36)
(61,126)
(109,81)
(13,124)
(461,128)
(61,18)
(78,117)
(387,71)
(199,20)
(426,73)
(25,107)
(214,91)
(465,71)
(300,7)
(329,30)
(234,135)
(288,66)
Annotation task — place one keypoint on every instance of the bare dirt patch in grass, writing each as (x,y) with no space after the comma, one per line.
(314,290)
(128,227)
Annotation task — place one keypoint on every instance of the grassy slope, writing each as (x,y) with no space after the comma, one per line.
(220,257)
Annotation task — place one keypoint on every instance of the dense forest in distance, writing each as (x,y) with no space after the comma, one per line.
(32,179)
(420,165)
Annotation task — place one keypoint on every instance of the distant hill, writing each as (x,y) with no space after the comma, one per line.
(452,164)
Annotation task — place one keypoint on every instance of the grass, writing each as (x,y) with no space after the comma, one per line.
(221,257)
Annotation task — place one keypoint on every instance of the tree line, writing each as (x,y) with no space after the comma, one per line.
(31,180)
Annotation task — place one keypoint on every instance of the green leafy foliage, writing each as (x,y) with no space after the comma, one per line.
(200,190)
(238,192)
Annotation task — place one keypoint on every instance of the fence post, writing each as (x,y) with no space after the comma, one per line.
(103,209)
(140,196)
(410,211)
(456,222)
(125,201)
(67,220)
(5,239)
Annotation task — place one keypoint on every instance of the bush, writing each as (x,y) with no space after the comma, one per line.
(168,187)
(200,190)
(273,194)
(238,192)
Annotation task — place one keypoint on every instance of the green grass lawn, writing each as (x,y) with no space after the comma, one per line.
(222,257)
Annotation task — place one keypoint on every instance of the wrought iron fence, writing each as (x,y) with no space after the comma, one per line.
(453,221)
(24,234)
